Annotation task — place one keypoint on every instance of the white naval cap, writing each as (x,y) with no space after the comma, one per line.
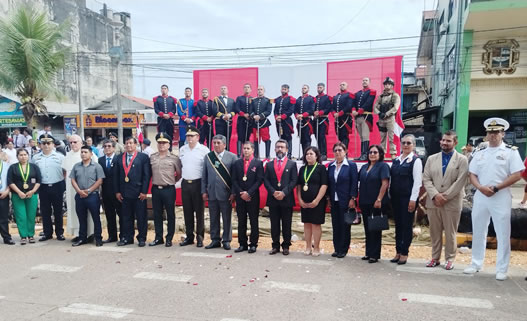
(496,124)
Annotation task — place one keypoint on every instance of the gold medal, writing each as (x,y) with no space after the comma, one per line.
(25,186)
(279,184)
(126,179)
(244,178)
(305,188)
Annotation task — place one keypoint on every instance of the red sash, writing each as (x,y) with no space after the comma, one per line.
(279,171)
(127,168)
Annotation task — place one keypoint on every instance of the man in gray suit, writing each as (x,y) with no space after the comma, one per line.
(224,111)
(216,186)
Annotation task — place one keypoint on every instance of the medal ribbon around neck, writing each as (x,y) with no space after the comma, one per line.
(246,167)
(127,168)
(309,175)
(25,175)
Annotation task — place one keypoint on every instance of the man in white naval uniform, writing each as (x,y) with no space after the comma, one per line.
(492,171)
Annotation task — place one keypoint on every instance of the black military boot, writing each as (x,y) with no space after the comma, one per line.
(290,148)
(361,152)
(364,155)
(268,150)
(239,148)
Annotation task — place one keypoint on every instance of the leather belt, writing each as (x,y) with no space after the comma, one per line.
(190,181)
(163,186)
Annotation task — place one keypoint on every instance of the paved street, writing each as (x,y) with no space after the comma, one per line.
(53,281)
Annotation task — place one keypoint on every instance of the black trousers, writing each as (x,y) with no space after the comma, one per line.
(321,139)
(251,209)
(283,215)
(4,219)
(343,134)
(341,230)
(166,126)
(112,210)
(51,196)
(193,203)
(205,131)
(404,222)
(164,199)
(134,210)
(82,206)
(373,239)
(305,136)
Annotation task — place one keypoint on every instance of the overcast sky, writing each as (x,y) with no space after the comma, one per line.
(195,24)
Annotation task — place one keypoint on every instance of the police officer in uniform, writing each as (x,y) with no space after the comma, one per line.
(243,125)
(304,108)
(284,106)
(492,171)
(205,113)
(165,108)
(224,111)
(386,107)
(362,113)
(261,108)
(166,171)
(342,103)
(247,176)
(320,119)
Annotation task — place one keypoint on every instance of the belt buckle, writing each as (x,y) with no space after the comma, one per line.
(50,185)
(159,187)
(189,181)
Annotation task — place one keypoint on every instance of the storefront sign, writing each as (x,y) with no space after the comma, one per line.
(104,121)
(6,122)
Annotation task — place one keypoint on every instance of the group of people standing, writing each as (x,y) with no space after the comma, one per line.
(213,116)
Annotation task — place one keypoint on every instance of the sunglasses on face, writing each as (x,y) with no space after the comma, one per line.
(46,143)
(373,152)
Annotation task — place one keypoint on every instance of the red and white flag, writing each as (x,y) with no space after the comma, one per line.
(399,125)
(138,132)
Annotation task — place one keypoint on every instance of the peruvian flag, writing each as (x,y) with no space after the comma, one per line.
(138,132)
(399,125)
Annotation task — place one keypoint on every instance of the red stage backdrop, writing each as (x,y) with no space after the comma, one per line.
(234,79)
(352,72)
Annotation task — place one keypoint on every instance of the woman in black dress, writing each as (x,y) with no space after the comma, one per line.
(311,190)
(374,178)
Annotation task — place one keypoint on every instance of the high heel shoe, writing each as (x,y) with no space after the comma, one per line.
(396,259)
(402,259)
(306,252)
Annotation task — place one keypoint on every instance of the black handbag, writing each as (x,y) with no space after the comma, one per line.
(350,216)
(377,221)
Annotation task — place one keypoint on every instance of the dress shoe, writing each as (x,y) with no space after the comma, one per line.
(372,260)
(227,246)
(124,242)
(365,258)
(252,249)
(98,243)
(341,255)
(199,241)
(90,239)
(9,242)
(240,249)
(168,243)
(141,243)
(44,238)
(75,239)
(334,254)
(285,251)
(41,234)
(156,242)
(61,237)
(109,241)
(401,262)
(186,242)
(78,243)
(213,245)
(274,251)
(395,259)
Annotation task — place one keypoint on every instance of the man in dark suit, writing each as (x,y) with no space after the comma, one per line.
(216,185)
(224,112)
(247,176)
(280,180)
(112,207)
(131,180)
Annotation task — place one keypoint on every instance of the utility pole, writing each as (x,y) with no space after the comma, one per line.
(119,105)
(116,53)
(81,110)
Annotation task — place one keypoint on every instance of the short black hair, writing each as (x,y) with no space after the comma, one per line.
(21,150)
(381,153)
(321,84)
(131,137)
(285,86)
(282,141)
(164,86)
(86,147)
(188,88)
(315,150)
(451,132)
(249,143)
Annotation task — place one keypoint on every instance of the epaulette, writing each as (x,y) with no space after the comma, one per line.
(511,146)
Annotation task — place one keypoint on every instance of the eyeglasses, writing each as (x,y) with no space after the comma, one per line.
(338,150)
(108,146)
(46,143)
(74,142)
(373,152)
(406,143)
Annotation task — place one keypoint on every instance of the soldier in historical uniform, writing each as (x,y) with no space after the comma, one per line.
(320,118)
(165,108)
(304,108)
(224,112)
(284,106)
(386,107)
(185,111)
(205,115)
(342,103)
(492,171)
(166,171)
(261,109)
(362,111)
(242,109)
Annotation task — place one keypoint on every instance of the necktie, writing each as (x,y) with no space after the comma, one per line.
(108,161)
(279,164)
(128,159)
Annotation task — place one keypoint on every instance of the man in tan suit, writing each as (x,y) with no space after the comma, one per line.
(444,178)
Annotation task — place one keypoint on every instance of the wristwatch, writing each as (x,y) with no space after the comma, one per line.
(89,191)
(495,189)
